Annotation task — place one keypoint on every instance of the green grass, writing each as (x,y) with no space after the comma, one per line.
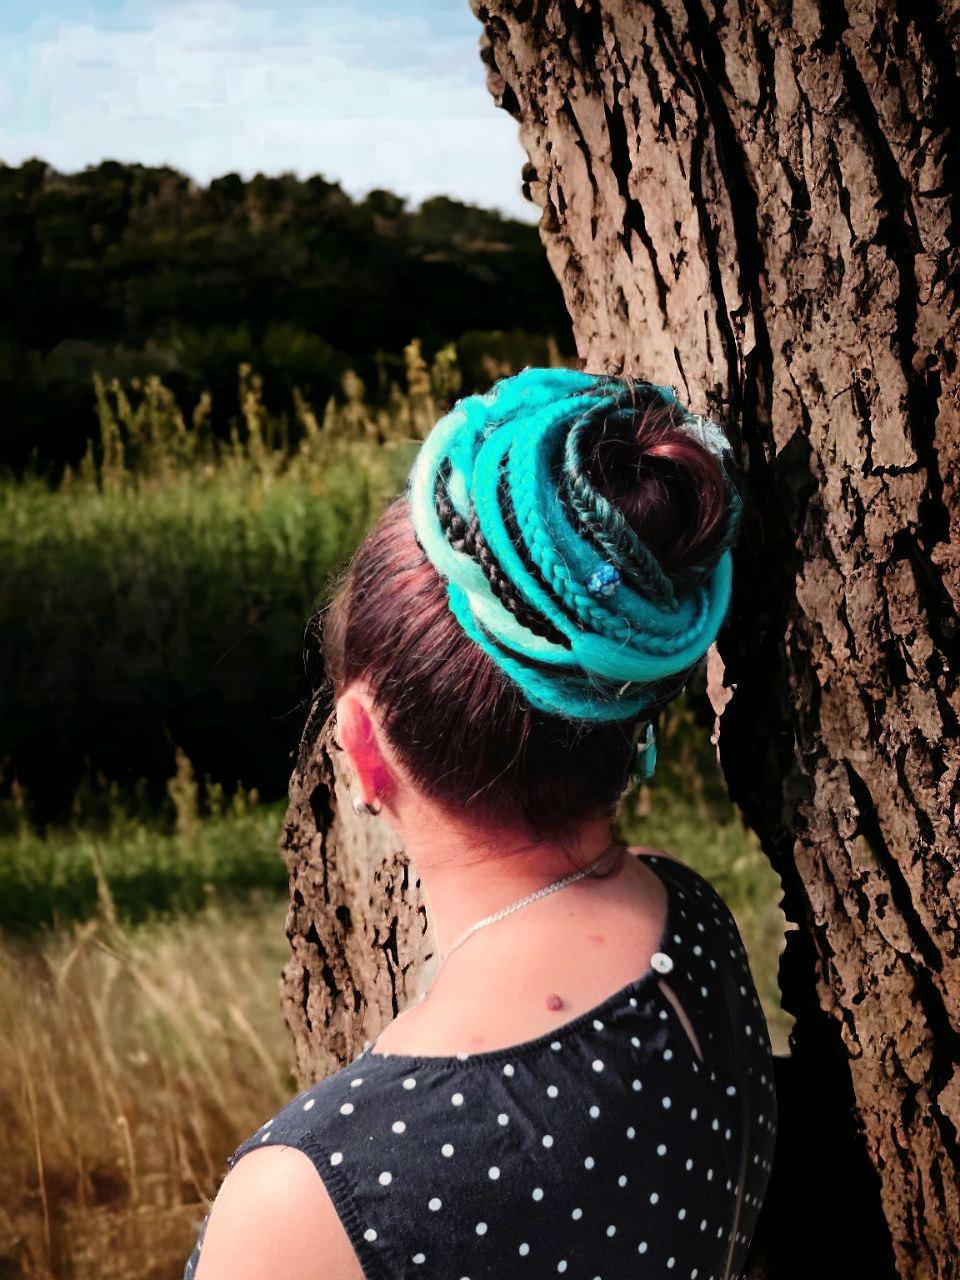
(147,609)
(198,848)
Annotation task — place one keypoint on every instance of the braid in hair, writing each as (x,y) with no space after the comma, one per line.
(465,535)
(512,528)
(560,568)
(607,527)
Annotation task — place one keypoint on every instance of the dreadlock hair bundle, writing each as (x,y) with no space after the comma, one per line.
(545,570)
(466,536)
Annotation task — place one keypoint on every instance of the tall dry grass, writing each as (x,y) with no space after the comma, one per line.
(132,1062)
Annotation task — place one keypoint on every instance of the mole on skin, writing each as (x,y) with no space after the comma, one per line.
(553,1001)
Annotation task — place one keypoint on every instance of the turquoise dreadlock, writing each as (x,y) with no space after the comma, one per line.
(542,571)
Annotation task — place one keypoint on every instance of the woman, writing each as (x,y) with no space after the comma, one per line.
(588,1089)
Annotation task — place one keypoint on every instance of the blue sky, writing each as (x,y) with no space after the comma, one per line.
(372,93)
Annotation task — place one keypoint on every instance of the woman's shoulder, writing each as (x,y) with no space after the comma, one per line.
(273,1215)
(661,855)
(303,1120)
(279,1206)
(643,850)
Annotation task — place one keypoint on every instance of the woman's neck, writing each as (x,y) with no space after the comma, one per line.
(536,968)
(468,873)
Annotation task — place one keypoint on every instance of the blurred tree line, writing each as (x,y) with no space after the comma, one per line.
(131,271)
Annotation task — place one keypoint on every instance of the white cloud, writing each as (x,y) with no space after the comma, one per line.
(369,100)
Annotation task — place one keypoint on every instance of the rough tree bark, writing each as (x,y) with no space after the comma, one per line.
(361,946)
(758,203)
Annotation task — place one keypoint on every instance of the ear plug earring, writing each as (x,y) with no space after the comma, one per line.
(361,806)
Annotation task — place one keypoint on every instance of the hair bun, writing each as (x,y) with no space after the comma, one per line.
(647,480)
(544,503)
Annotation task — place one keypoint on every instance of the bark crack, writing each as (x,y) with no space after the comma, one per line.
(633,220)
(943,1040)
(756,378)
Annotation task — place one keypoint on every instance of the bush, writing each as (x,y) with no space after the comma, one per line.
(158,595)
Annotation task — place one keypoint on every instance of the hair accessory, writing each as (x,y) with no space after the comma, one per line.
(542,571)
(604,581)
(644,759)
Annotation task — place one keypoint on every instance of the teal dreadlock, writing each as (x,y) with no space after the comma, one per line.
(542,571)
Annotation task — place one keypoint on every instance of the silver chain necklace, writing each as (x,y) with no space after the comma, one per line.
(515,906)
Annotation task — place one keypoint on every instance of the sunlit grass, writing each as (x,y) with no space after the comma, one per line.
(132,1063)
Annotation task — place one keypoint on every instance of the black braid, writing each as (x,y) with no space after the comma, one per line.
(509,516)
(466,536)
(603,523)
(610,533)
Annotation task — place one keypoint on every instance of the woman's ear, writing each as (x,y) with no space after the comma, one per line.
(359,738)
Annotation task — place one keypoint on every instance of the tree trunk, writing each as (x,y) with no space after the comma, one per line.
(758,203)
(355,962)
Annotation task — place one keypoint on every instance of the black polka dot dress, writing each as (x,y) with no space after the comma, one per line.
(602,1150)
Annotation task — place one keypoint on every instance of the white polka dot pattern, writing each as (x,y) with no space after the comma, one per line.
(604,1148)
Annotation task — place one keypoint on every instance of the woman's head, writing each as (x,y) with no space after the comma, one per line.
(553,573)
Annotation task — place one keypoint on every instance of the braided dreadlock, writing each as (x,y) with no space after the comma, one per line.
(466,536)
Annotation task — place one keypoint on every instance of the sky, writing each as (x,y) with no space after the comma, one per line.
(373,93)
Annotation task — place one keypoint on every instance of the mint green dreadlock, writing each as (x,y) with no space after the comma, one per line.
(542,571)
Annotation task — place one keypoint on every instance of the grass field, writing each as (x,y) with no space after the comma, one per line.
(199,847)
(133,1062)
